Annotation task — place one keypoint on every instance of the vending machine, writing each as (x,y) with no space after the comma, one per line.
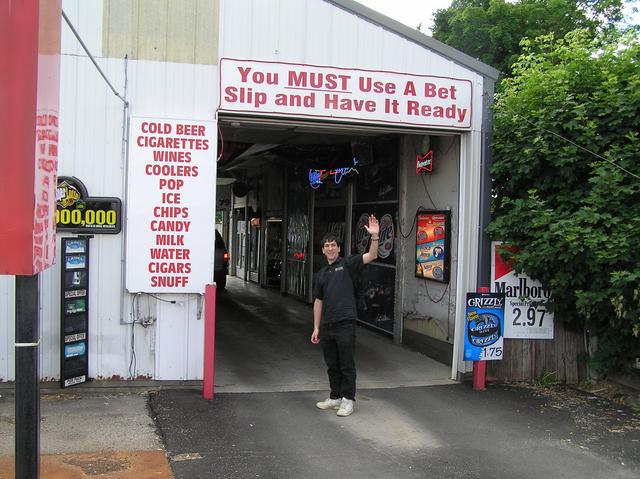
(74,316)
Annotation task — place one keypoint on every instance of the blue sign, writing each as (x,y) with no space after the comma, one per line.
(484,326)
(75,349)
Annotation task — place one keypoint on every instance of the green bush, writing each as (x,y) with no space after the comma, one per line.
(566,179)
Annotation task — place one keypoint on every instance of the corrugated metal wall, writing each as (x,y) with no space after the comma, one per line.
(171,73)
(7,320)
(320,33)
(92,149)
(428,307)
(180,31)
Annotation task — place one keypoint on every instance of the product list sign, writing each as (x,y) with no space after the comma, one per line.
(44,231)
(171,201)
(335,93)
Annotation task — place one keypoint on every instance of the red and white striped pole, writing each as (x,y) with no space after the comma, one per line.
(209,340)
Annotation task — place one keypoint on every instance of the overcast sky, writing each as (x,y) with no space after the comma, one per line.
(410,12)
(415,12)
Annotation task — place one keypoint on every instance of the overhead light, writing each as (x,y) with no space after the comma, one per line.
(222,181)
(298,125)
(255,150)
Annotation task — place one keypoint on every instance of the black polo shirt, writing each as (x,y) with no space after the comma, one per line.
(334,287)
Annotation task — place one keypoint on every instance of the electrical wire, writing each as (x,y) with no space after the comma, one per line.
(449,316)
(516,115)
(146,321)
(133,360)
(84,47)
(221,143)
(173,301)
(415,217)
(427,192)
(426,288)
(124,158)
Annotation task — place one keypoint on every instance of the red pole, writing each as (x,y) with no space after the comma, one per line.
(479,375)
(480,367)
(209,340)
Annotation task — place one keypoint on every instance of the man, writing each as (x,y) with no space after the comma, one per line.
(335,314)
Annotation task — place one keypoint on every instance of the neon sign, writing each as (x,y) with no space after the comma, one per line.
(424,163)
(318,177)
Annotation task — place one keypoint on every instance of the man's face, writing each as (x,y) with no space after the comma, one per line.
(331,250)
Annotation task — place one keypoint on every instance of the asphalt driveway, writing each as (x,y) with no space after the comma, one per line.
(445,431)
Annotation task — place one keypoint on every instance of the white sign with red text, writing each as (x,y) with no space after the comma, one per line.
(524,315)
(44,227)
(171,204)
(274,88)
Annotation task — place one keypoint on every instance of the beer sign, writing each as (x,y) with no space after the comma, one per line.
(387,238)
(433,245)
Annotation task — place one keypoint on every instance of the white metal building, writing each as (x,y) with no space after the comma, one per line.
(173,61)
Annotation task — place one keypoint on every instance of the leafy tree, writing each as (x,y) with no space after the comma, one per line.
(566,177)
(491,30)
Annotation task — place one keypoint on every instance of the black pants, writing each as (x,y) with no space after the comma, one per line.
(338,342)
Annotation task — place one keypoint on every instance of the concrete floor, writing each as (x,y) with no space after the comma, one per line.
(263,345)
(89,432)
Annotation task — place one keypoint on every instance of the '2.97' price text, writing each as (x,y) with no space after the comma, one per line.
(531,317)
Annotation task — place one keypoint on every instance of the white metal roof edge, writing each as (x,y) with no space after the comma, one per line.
(418,37)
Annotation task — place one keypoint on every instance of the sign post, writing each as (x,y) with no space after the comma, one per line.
(27,407)
(209,341)
(480,367)
(29,97)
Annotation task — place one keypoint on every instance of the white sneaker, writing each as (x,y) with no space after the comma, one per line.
(329,404)
(346,408)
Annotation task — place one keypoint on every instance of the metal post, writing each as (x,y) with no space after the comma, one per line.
(480,367)
(284,267)
(27,400)
(484,243)
(209,341)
